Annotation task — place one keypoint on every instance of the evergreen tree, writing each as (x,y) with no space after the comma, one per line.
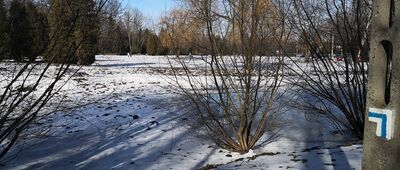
(74,29)
(86,34)
(144,38)
(118,41)
(20,36)
(61,21)
(164,41)
(123,39)
(153,44)
(38,29)
(3,31)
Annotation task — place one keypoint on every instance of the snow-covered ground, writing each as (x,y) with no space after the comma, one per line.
(132,118)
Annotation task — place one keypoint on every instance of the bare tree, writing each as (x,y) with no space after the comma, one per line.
(111,37)
(133,20)
(335,89)
(235,98)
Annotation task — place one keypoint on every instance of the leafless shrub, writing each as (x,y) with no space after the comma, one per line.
(334,31)
(234,101)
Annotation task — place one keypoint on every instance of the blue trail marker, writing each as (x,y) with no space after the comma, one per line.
(385,122)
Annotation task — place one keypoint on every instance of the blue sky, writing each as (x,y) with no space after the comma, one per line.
(151,8)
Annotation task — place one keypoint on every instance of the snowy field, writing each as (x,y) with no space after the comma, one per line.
(131,117)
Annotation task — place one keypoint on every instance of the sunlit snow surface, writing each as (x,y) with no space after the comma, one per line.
(132,118)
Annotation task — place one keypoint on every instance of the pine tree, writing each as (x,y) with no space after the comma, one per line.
(3,31)
(74,29)
(123,39)
(61,23)
(20,36)
(86,34)
(164,42)
(38,29)
(153,44)
(117,40)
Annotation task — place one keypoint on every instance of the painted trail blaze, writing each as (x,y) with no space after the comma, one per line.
(384,120)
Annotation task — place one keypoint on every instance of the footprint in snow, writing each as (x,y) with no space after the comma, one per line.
(134,117)
(119,116)
(154,123)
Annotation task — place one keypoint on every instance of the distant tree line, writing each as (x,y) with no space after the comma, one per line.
(27,28)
